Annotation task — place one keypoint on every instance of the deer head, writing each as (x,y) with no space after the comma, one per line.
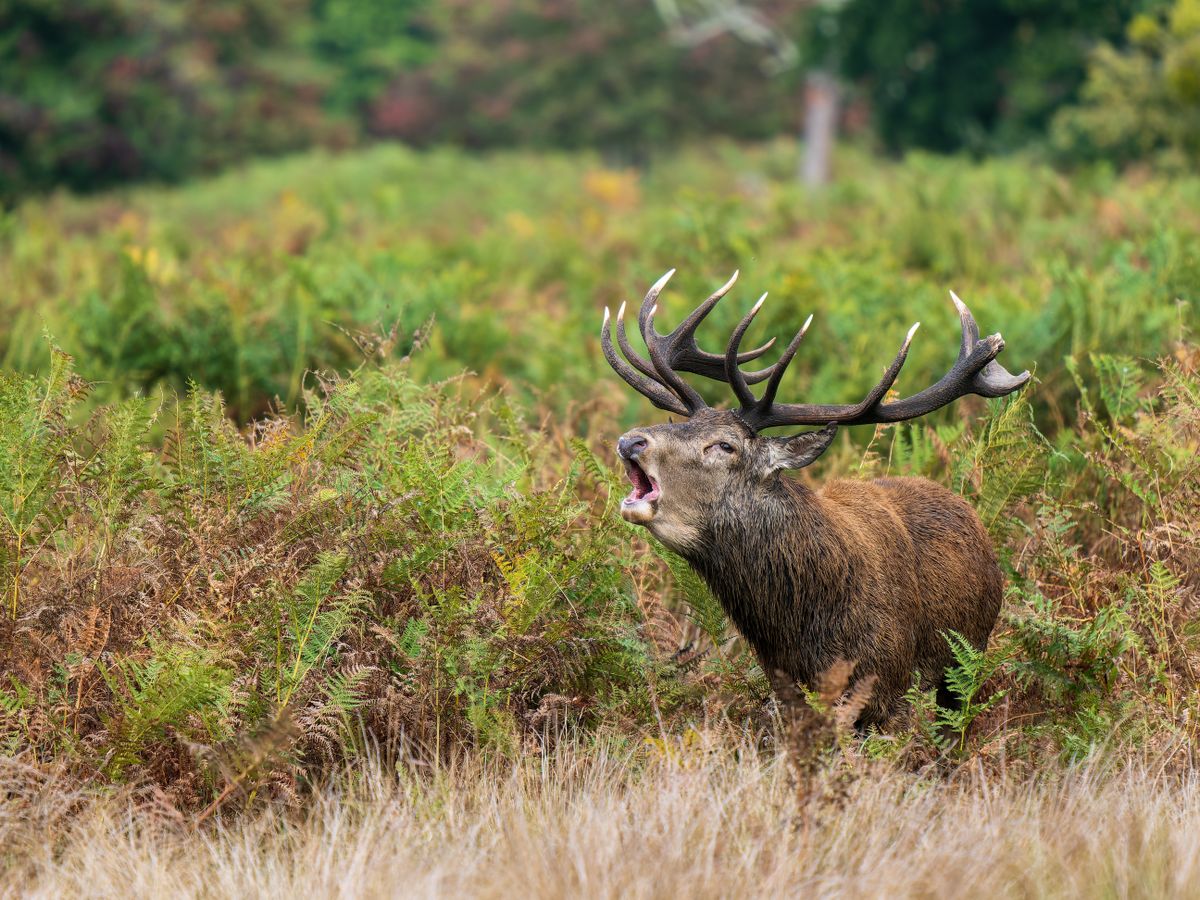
(682,473)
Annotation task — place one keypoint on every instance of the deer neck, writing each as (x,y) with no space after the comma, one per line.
(777,565)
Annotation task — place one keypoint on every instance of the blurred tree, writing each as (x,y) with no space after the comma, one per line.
(979,74)
(1142,103)
(694,22)
(578,73)
(369,41)
(94,92)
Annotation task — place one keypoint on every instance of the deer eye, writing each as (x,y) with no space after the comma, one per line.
(726,446)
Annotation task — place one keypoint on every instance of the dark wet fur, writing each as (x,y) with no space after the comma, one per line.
(872,572)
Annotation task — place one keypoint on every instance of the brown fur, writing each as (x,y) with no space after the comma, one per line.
(870,571)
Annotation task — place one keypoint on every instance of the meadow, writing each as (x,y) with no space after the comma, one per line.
(312,572)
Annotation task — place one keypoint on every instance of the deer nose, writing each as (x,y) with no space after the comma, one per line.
(631,445)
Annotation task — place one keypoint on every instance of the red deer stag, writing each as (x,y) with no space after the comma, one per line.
(869,571)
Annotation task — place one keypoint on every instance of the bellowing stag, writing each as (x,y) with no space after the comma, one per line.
(874,572)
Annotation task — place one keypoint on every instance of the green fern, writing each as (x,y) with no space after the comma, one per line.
(1120,382)
(601,474)
(313,620)
(1005,464)
(702,607)
(152,696)
(1069,660)
(119,471)
(972,668)
(34,462)
(345,691)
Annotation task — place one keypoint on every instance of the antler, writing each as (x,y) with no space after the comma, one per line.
(670,354)
(974,372)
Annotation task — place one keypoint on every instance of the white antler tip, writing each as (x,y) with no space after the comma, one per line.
(653,310)
(621,311)
(723,289)
(758,305)
(911,332)
(606,316)
(959,305)
(661,283)
(807,322)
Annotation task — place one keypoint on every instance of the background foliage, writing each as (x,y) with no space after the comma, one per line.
(1141,103)
(245,283)
(104,91)
(107,91)
(980,75)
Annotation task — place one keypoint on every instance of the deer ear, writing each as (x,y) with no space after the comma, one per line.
(800,450)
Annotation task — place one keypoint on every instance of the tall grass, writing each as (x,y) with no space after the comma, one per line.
(709,821)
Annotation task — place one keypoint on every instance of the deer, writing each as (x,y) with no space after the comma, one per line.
(875,572)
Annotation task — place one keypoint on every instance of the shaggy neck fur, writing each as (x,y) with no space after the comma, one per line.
(779,573)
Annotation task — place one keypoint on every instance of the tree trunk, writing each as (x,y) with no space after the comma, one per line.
(820,126)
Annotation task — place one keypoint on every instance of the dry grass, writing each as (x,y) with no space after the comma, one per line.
(699,820)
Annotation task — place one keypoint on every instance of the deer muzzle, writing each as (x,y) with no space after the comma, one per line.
(640,505)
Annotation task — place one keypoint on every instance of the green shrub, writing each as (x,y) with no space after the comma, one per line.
(977,76)
(105,91)
(229,598)
(1141,103)
(374,571)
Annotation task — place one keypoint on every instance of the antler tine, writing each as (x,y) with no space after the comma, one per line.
(696,316)
(970,330)
(660,355)
(649,302)
(993,380)
(686,355)
(658,378)
(661,358)
(639,363)
(657,373)
(735,376)
(780,367)
(647,387)
(683,353)
(876,394)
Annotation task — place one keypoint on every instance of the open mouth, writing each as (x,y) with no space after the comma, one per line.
(645,489)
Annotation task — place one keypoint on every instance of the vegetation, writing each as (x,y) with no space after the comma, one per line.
(980,76)
(707,816)
(104,92)
(235,616)
(245,283)
(95,93)
(1142,103)
(409,582)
